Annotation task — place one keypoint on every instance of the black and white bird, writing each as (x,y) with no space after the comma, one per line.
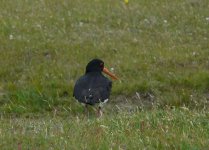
(93,87)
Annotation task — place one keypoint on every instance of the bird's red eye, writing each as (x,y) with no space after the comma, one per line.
(101,65)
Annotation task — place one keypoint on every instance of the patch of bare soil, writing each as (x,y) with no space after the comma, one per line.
(137,101)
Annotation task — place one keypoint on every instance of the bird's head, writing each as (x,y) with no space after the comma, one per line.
(97,65)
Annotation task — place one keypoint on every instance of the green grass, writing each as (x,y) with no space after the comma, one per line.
(157,129)
(158,48)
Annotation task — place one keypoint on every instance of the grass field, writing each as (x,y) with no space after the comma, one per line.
(158,48)
(161,129)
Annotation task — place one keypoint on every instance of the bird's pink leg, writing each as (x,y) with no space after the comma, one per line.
(86,110)
(99,112)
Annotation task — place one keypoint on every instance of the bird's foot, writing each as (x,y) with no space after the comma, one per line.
(99,112)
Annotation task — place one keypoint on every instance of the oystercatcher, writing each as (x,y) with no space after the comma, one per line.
(93,87)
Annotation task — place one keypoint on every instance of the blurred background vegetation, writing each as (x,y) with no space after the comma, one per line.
(159,49)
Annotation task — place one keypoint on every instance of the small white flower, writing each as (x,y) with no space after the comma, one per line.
(194,53)
(146,20)
(165,21)
(38,25)
(80,24)
(112,69)
(11,37)
(207,18)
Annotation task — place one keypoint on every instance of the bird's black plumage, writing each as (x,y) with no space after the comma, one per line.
(93,87)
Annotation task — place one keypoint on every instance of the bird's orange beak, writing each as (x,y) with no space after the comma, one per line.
(106,71)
